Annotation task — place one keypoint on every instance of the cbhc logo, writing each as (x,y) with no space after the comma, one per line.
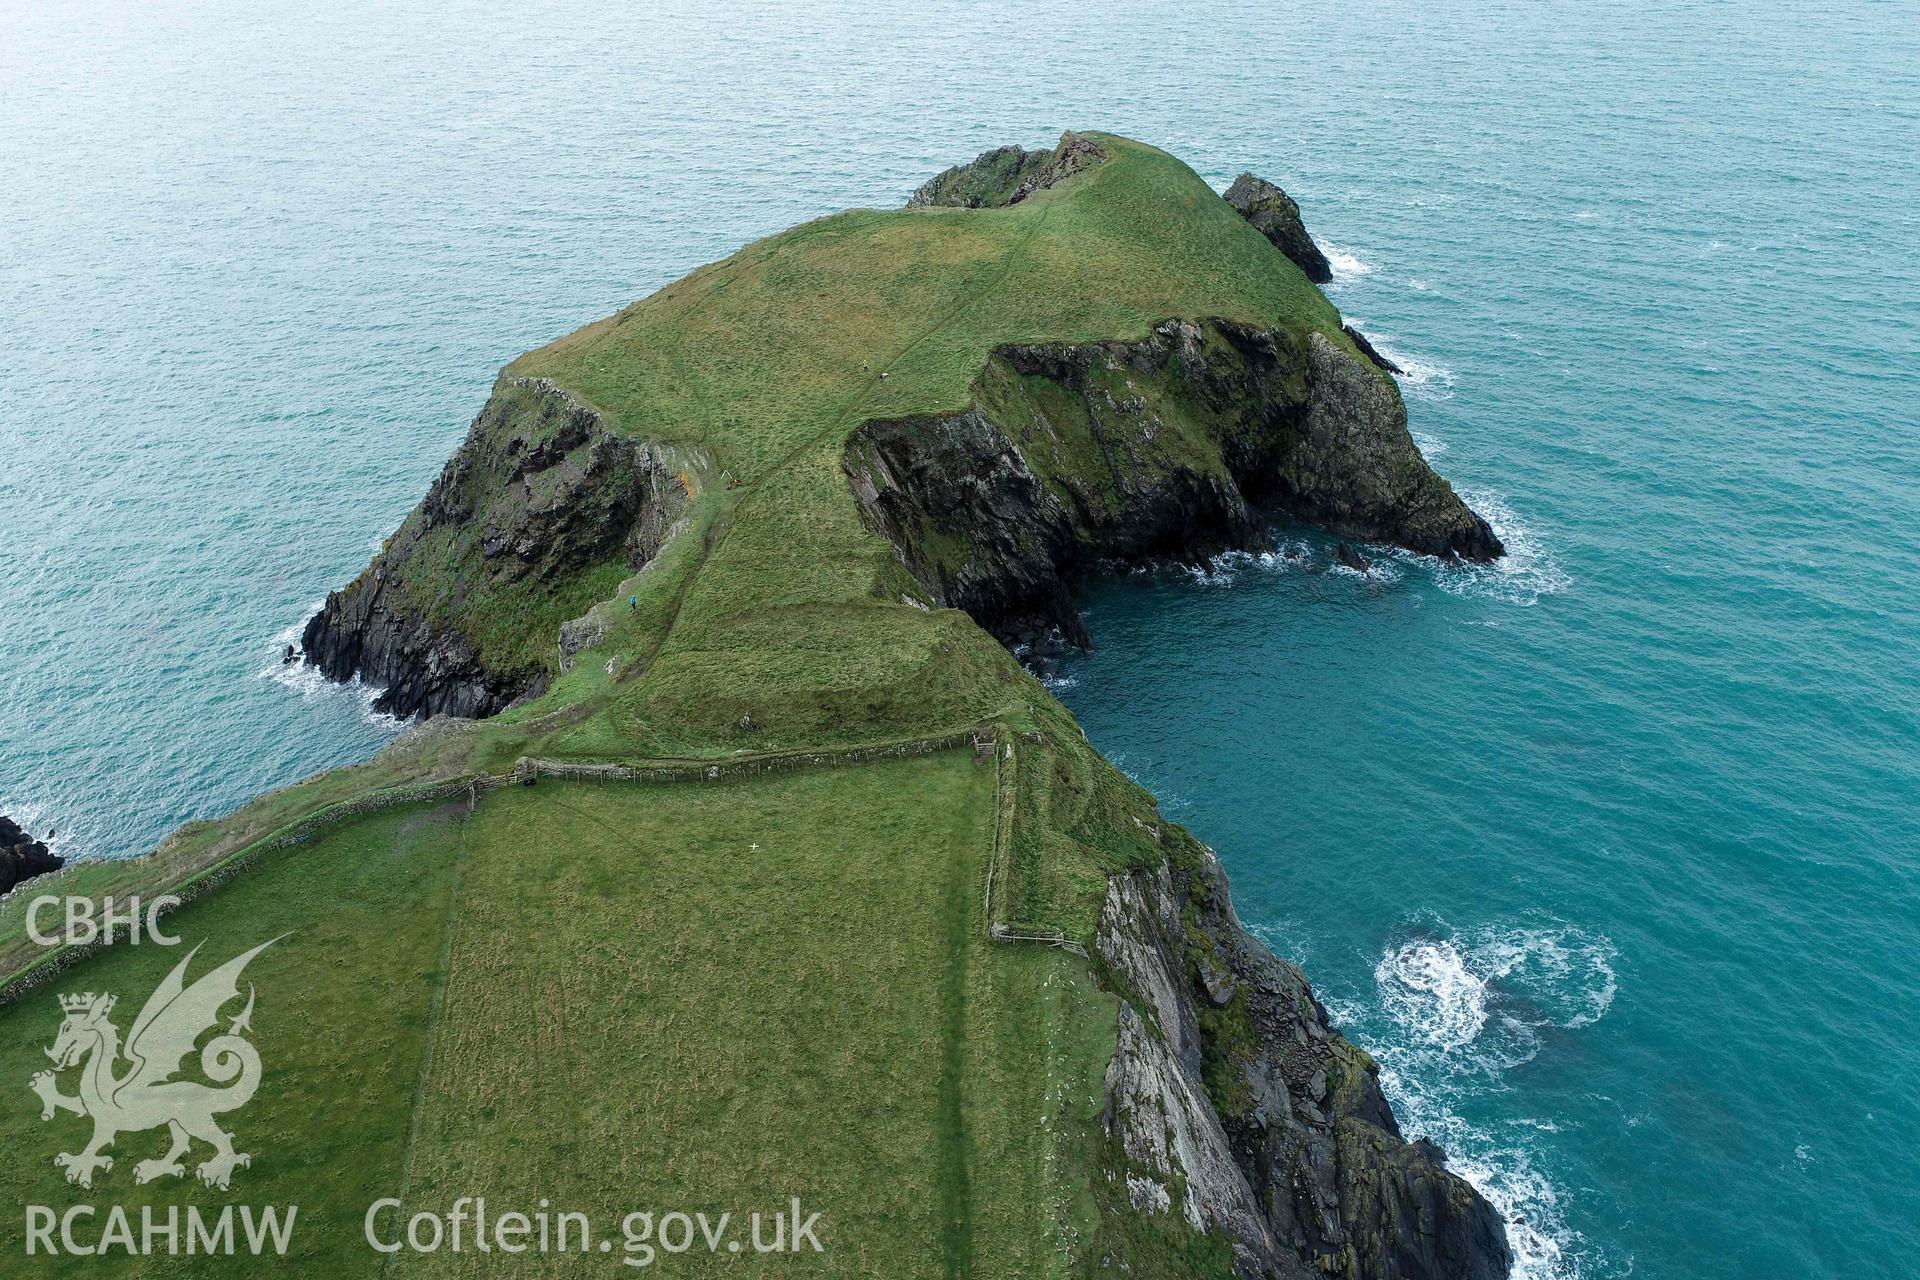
(80,925)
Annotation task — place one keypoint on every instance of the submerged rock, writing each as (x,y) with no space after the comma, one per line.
(1346,555)
(1274,215)
(22,857)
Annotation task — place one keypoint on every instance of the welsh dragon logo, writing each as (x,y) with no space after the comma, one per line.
(145,1094)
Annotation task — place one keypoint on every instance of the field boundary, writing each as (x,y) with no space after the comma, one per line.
(530,770)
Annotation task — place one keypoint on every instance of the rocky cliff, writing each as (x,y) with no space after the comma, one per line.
(1233,1106)
(1238,1107)
(22,857)
(1177,446)
(1275,215)
(1006,175)
(1242,1133)
(460,610)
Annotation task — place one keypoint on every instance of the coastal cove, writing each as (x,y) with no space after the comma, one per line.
(1604,851)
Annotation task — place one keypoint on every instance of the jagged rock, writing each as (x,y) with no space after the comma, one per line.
(1275,1127)
(1006,175)
(1352,559)
(1274,215)
(22,857)
(1175,447)
(1368,350)
(539,491)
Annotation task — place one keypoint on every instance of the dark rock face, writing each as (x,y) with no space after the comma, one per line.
(1346,555)
(22,857)
(539,492)
(1237,1106)
(1367,349)
(1006,175)
(1274,215)
(1173,448)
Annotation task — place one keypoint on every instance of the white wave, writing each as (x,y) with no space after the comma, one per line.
(40,822)
(1427,988)
(1381,570)
(1419,378)
(1544,1246)
(1563,972)
(1347,267)
(1431,446)
(1057,682)
(1526,572)
(1226,568)
(307,680)
(1461,1010)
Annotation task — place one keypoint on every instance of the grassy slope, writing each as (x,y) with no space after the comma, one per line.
(770,359)
(340,1027)
(667,1016)
(632,1003)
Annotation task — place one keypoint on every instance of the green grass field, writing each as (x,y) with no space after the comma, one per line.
(623,997)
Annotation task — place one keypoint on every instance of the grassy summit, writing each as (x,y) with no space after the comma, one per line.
(717,994)
(768,361)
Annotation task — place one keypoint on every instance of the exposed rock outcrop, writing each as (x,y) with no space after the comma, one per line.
(22,857)
(1006,175)
(539,492)
(1178,446)
(1368,350)
(1274,215)
(1238,1107)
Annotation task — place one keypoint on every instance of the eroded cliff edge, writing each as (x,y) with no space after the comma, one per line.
(1179,446)
(535,518)
(1233,1105)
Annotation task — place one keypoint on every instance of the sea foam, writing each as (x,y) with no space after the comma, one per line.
(310,683)
(1347,267)
(1528,570)
(1455,1012)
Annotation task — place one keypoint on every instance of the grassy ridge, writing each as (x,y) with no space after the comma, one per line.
(771,359)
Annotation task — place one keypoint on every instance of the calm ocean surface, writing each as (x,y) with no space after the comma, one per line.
(1611,855)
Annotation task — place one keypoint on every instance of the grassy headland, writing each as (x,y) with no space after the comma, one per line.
(721,994)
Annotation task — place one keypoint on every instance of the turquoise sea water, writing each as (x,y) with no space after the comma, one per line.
(1611,855)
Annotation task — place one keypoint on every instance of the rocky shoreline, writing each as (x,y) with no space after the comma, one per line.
(538,491)
(22,857)
(1177,447)
(1239,1106)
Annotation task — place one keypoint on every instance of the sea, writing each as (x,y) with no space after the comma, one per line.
(1610,853)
